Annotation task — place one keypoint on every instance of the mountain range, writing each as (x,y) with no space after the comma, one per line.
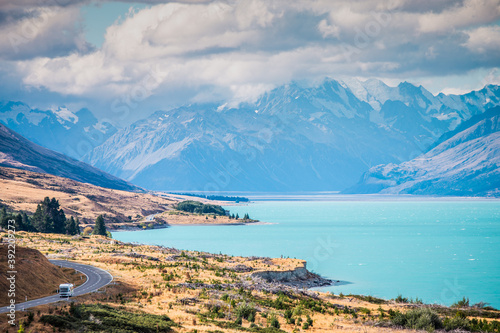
(70,133)
(463,162)
(293,138)
(20,153)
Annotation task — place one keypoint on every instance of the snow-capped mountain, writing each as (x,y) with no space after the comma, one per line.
(71,133)
(294,138)
(463,162)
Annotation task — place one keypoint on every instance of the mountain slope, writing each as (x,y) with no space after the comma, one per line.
(198,148)
(467,162)
(23,190)
(72,134)
(293,138)
(20,153)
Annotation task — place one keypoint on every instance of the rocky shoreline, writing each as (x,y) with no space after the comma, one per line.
(299,277)
(298,280)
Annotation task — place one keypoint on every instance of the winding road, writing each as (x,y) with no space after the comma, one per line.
(96,278)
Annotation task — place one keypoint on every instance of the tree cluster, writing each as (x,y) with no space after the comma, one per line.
(48,218)
(200,208)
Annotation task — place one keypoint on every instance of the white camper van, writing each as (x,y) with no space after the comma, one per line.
(66,290)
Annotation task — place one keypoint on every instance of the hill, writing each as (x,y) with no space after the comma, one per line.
(36,276)
(465,162)
(18,152)
(22,190)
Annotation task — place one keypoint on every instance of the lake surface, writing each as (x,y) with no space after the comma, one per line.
(434,249)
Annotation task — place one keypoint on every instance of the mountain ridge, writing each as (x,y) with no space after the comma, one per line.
(293,137)
(465,163)
(18,152)
(59,129)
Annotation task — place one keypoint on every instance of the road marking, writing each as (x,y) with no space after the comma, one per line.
(91,273)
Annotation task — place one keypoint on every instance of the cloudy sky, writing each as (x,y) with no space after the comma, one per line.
(155,54)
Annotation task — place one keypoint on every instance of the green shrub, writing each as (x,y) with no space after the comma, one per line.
(463,303)
(401,299)
(57,321)
(200,208)
(370,299)
(245,310)
(458,322)
(108,319)
(309,321)
(419,319)
(273,322)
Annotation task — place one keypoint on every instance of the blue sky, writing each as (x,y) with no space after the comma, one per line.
(99,16)
(162,54)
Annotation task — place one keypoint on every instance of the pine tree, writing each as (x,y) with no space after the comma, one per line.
(28,226)
(100,227)
(19,222)
(49,218)
(237,216)
(246,217)
(4,218)
(71,226)
(3,213)
(58,217)
(40,218)
(77,225)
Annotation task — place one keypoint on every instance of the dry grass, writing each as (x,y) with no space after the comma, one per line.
(22,190)
(36,277)
(185,285)
(156,280)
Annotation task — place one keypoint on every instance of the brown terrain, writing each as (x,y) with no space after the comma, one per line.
(22,190)
(203,292)
(36,277)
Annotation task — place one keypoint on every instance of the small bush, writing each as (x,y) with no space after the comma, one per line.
(419,319)
(463,303)
(273,322)
(459,322)
(401,299)
(245,310)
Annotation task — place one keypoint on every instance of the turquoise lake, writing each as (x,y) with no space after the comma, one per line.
(434,249)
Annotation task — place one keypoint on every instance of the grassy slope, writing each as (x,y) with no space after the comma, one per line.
(23,190)
(36,276)
(206,292)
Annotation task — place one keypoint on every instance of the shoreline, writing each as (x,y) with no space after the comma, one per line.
(318,196)
(155,225)
(152,280)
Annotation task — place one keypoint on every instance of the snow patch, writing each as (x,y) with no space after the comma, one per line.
(64,115)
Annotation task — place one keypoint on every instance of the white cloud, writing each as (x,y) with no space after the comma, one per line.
(50,31)
(470,13)
(238,49)
(484,39)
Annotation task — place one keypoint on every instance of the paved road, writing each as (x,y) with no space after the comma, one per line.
(96,278)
